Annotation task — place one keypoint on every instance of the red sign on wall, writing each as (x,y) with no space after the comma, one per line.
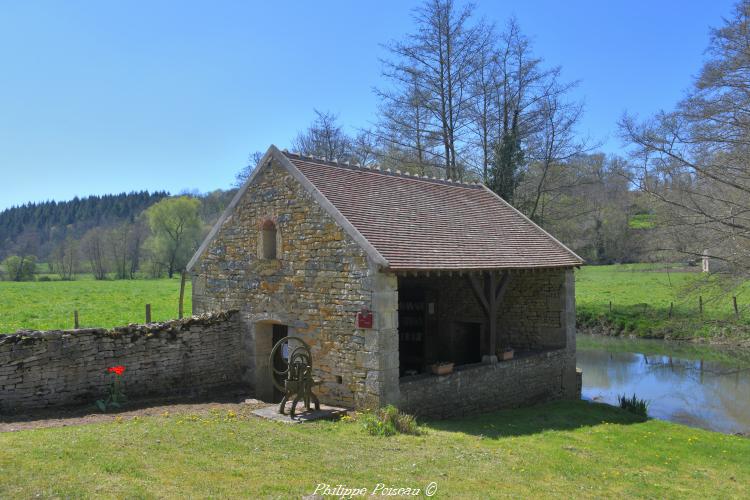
(364,318)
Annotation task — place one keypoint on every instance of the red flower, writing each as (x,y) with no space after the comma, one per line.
(117,370)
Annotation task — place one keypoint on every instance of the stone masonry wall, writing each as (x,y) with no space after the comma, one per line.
(192,355)
(483,388)
(318,283)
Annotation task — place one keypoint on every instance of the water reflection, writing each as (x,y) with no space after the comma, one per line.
(704,392)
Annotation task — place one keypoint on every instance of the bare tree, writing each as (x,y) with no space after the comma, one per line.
(438,62)
(94,251)
(484,113)
(252,162)
(119,242)
(406,127)
(535,123)
(324,138)
(695,160)
(364,148)
(138,235)
(554,143)
(65,258)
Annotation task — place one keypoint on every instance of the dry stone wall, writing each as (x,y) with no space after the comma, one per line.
(53,368)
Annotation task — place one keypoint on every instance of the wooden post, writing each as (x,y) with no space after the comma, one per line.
(610,307)
(671,307)
(75,319)
(736,309)
(182,294)
(700,304)
(490,295)
(491,284)
(148,313)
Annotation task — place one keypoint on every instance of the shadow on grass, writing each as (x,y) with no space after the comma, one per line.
(557,416)
(223,396)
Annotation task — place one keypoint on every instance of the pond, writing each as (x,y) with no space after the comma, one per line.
(696,385)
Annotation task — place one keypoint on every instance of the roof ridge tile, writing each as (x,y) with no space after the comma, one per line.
(380,169)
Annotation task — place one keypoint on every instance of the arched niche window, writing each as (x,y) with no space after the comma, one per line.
(268,241)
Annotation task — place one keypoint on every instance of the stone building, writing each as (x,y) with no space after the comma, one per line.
(448,271)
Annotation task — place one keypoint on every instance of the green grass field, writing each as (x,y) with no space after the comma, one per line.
(46,305)
(571,449)
(641,295)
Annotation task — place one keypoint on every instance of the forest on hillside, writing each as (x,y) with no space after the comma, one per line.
(38,227)
(109,236)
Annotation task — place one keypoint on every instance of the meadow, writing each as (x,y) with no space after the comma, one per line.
(656,300)
(43,305)
(564,449)
(640,295)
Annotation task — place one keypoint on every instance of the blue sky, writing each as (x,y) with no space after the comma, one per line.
(104,97)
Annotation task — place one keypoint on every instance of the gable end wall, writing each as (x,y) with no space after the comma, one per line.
(320,281)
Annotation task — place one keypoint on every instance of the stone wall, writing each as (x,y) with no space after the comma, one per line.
(318,283)
(53,368)
(482,388)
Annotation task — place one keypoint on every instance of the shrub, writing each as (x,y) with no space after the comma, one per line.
(388,421)
(634,405)
(20,268)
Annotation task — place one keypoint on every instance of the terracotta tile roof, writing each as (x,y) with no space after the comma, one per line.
(418,223)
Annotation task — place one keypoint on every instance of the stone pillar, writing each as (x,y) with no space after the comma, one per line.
(568,321)
(260,344)
(380,356)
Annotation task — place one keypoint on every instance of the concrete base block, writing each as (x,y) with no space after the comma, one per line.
(325,413)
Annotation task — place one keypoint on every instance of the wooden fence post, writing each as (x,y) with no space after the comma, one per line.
(75,319)
(610,307)
(736,309)
(148,313)
(700,304)
(182,294)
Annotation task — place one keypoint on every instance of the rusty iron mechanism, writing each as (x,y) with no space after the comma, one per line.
(291,372)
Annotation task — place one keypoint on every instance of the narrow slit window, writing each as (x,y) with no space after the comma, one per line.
(268,240)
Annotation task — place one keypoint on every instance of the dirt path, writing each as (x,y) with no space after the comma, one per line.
(240,404)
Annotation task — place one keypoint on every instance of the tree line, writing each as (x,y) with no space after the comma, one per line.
(157,241)
(37,228)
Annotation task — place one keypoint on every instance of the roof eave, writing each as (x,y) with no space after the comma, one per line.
(470,270)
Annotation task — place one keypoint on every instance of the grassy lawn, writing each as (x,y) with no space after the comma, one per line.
(50,304)
(641,295)
(570,449)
